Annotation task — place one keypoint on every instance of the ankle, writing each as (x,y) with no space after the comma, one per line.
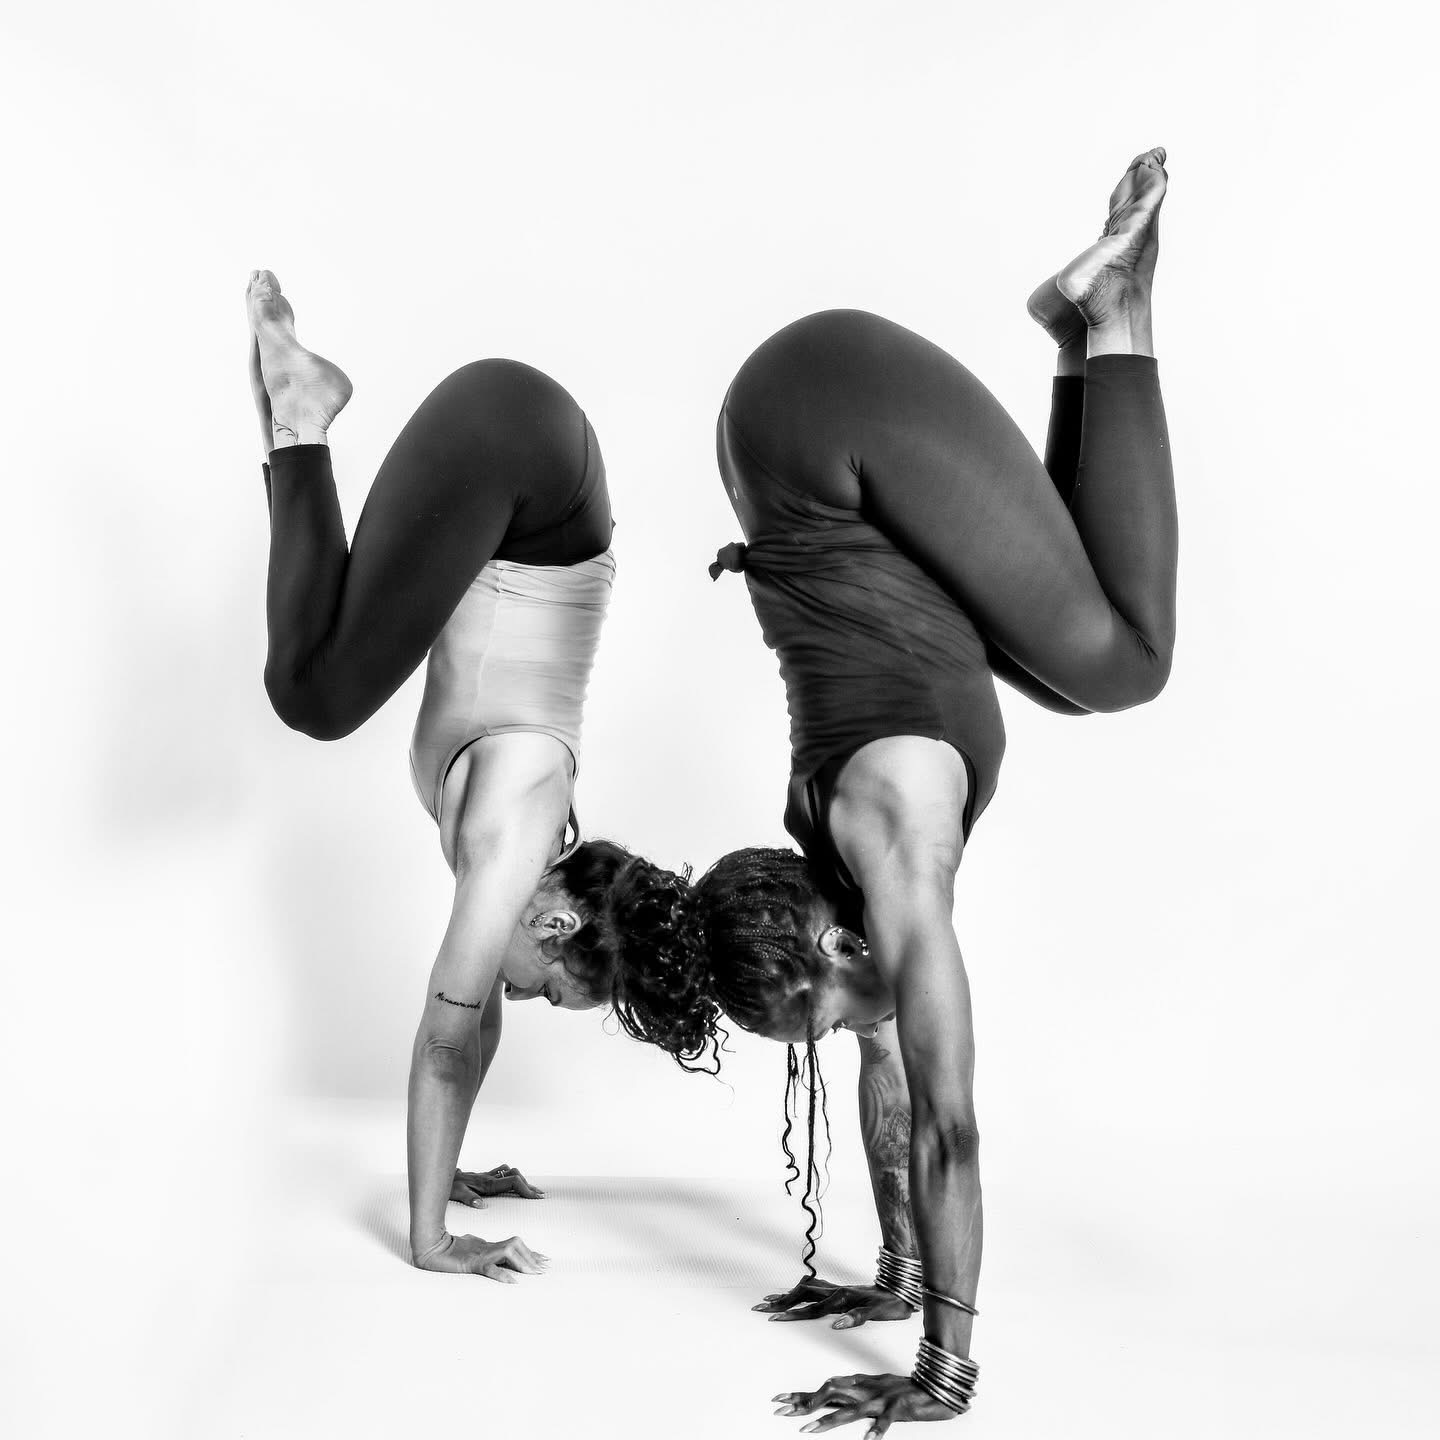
(1070,360)
(297,431)
(1126,330)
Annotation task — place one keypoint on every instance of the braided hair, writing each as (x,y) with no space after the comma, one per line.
(756,911)
(741,941)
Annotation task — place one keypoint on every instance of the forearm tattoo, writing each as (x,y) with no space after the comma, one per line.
(885,1126)
(462,1004)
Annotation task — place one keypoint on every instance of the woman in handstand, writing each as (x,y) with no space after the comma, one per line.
(484,541)
(904,544)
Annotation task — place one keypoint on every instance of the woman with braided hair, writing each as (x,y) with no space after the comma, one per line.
(903,544)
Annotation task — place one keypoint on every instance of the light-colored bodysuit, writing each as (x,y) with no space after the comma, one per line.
(515,655)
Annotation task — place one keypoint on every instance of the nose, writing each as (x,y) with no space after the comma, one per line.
(513,992)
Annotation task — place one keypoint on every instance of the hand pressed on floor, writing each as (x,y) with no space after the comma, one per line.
(813,1298)
(470,1187)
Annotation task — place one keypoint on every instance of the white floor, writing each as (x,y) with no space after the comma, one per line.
(273,1302)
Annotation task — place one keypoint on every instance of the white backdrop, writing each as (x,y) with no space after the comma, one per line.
(1199,931)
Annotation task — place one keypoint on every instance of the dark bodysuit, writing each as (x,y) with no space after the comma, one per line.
(498,463)
(904,545)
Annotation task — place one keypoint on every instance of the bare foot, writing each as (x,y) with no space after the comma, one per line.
(1057,316)
(1112,278)
(1063,323)
(304,391)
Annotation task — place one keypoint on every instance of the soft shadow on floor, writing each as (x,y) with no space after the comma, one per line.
(710,1234)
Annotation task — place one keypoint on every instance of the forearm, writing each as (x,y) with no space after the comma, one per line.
(885,1129)
(936,1029)
(945,1183)
(444,1081)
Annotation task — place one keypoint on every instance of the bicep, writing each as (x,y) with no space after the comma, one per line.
(897,819)
(465,988)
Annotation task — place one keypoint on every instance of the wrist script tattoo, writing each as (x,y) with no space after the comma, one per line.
(463,1004)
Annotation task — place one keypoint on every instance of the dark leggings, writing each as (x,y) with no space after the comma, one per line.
(862,413)
(499,458)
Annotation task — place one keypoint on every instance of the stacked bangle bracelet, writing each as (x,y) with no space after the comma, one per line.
(945,1299)
(948,1378)
(901,1275)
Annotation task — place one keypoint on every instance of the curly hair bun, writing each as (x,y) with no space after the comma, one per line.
(662,988)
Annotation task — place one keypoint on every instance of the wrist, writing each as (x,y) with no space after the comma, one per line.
(901,1275)
(429,1242)
(945,1376)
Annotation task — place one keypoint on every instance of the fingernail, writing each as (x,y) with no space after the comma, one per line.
(806,1429)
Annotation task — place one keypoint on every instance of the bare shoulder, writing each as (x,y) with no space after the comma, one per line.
(507,792)
(898,811)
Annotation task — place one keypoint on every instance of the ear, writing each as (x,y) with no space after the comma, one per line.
(557,924)
(838,943)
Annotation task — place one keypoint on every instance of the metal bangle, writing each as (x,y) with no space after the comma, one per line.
(957,1397)
(945,1299)
(901,1276)
(951,1401)
(946,1377)
(946,1360)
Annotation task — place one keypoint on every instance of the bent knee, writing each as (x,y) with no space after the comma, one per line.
(1141,687)
(501,382)
(306,708)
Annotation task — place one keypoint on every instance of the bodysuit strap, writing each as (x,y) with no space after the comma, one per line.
(572,826)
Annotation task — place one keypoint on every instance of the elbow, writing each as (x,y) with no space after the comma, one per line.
(948,1142)
(958,1144)
(446,1061)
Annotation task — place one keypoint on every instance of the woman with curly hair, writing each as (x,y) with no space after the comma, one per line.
(484,541)
(903,544)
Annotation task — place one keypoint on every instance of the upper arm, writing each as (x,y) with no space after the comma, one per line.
(505,791)
(514,800)
(897,819)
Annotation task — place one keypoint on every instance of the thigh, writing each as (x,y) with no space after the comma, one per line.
(946,473)
(488,438)
(856,411)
